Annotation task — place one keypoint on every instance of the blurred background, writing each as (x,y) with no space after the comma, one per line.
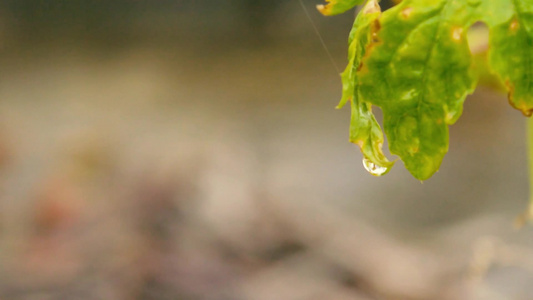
(173,149)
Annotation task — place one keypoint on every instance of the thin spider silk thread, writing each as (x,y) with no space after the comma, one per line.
(337,69)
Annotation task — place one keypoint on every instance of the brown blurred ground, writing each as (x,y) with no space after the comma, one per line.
(172,150)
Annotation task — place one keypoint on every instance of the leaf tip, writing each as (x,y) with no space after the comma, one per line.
(422,166)
(519,104)
(322,9)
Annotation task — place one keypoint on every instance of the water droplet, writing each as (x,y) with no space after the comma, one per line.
(372,168)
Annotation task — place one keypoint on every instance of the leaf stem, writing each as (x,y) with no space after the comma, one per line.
(527,216)
(529,212)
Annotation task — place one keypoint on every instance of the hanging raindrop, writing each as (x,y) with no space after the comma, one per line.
(372,168)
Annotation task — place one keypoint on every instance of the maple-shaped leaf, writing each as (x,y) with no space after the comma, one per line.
(364,129)
(414,62)
(335,7)
(419,73)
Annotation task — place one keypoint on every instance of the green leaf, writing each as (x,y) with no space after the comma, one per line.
(414,62)
(335,7)
(419,73)
(511,52)
(364,129)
